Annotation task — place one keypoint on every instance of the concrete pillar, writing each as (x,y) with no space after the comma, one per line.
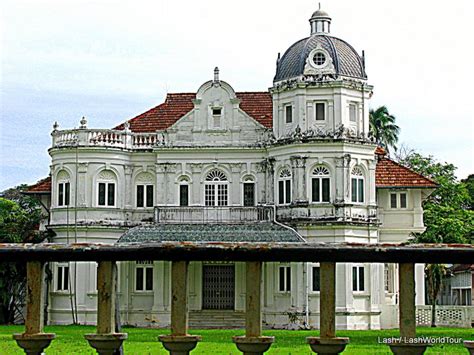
(106,341)
(253,313)
(179,342)
(179,307)
(327,342)
(253,343)
(33,340)
(328,300)
(407,300)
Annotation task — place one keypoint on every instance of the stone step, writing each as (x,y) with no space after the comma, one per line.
(216,319)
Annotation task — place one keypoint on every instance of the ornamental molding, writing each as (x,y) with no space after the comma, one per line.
(106,175)
(145,177)
(311,68)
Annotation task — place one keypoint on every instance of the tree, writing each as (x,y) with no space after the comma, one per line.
(469,182)
(383,128)
(447,217)
(20,217)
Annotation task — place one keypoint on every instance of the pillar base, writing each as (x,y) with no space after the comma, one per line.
(327,346)
(34,344)
(408,348)
(253,345)
(179,344)
(469,345)
(106,344)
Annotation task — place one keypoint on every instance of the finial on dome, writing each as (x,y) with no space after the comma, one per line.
(83,123)
(216,75)
(320,21)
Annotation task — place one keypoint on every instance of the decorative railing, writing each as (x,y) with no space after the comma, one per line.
(204,214)
(84,137)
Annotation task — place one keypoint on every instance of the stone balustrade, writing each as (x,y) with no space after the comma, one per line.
(106,340)
(84,137)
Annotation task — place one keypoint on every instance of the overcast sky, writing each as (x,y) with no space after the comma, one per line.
(111,60)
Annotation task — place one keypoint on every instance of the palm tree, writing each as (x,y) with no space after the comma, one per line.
(434,276)
(383,127)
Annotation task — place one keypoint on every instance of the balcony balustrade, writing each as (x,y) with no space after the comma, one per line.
(207,215)
(84,137)
(106,340)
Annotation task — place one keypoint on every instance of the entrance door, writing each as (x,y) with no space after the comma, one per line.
(218,286)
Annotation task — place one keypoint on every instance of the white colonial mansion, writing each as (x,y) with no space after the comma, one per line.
(294,163)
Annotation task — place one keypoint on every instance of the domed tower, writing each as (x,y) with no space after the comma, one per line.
(324,164)
(320,84)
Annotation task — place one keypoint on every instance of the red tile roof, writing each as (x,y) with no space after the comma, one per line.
(42,186)
(391,174)
(256,104)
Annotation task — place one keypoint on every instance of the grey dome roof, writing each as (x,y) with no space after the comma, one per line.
(347,61)
(320,13)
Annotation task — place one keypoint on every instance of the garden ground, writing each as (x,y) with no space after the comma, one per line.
(70,340)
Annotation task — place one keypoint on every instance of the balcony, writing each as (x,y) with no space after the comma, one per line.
(124,139)
(213,215)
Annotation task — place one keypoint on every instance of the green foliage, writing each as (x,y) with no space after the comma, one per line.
(20,217)
(383,127)
(469,182)
(447,215)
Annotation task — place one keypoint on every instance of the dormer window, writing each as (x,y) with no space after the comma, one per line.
(353,112)
(216,117)
(320,111)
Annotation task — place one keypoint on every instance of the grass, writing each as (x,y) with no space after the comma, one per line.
(70,340)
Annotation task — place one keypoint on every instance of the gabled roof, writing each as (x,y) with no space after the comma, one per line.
(256,104)
(41,187)
(390,174)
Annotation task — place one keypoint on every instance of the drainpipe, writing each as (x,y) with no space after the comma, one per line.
(306,274)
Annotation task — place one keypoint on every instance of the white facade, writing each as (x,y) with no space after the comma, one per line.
(316,164)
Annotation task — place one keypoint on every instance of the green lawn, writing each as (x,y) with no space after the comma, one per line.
(144,340)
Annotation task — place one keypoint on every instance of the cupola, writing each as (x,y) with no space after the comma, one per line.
(320,22)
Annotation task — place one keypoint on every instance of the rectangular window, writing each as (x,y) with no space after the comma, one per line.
(320,114)
(316,278)
(183,195)
(361,190)
(316,195)
(111,194)
(249,194)
(221,195)
(62,278)
(393,200)
(326,191)
(63,193)
(210,195)
(388,278)
(216,117)
(140,195)
(353,112)
(288,113)
(403,200)
(144,276)
(284,278)
(149,196)
(358,278)
(101,194)
(281,192)
(354,190)
(288,191)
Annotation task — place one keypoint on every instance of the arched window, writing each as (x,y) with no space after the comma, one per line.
(320,184)
(144,190)
(64,188)
(216,189)
(183,191)
(357,185)
(106,188)
(284,187)
(249,191)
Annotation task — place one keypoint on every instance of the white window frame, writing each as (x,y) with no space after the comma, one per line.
(217,184)
(320,172)
(316,113)
(145,195)
(389,278)
(213,117)
(285,108)
(249,180)
(286,280)
(398,200)
(184,182)
(65,201)
(357,174)
(284,176)
(358,289)
(111,178)
(65,282)
(145,265)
